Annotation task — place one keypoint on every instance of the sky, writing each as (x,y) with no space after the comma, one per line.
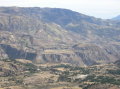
(105,9)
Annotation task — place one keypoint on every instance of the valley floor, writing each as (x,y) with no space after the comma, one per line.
(19,75)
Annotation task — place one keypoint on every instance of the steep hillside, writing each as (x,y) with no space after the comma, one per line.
(53,35)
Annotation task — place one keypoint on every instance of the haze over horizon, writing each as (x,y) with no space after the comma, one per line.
(105,9)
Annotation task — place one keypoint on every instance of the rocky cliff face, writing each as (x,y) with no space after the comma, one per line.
(57,35)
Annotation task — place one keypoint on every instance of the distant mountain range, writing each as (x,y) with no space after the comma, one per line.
(117,18)
(53,35)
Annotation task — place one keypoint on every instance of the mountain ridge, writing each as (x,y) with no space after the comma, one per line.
(116,18)
(65,35)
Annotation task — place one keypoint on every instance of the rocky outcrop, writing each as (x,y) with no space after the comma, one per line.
(3,55)
(14,53)
(80,54)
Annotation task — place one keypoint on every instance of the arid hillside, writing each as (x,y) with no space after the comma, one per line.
(53,35)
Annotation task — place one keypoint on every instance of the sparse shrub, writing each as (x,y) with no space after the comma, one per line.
(30,67)
(117,72)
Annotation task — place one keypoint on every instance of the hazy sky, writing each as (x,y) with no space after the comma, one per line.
(99,8)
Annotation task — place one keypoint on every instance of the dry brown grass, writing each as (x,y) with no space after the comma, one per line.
(23,61)
(60,69)
(58,52)
(16,87)
(67,88)
(40,78)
